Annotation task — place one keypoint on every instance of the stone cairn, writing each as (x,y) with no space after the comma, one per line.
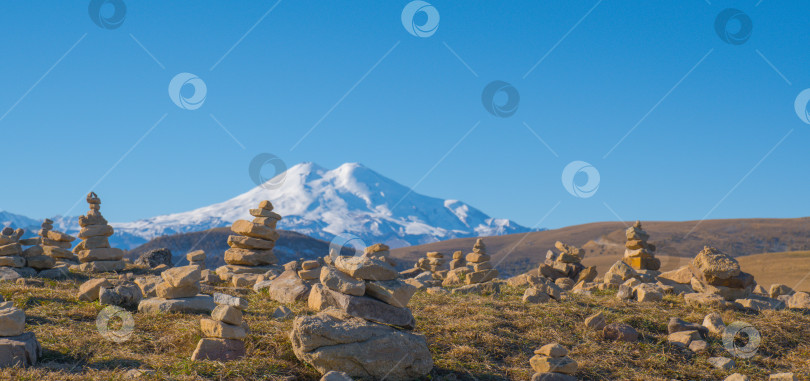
(196,258)
(224,332)
(551,362)
(310,271)
(482,270)
(565,268)
(94,251)
(251,250)
(11,253)
(639,254)
(458,260)
(179,292)
(17,347)
(364,325)
(56,244)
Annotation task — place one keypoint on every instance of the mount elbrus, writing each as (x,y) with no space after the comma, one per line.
(354,319)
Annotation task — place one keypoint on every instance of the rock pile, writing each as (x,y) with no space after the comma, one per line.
(11,253)
(179,291)
(639,254)
(715,272)
(224,332)
(551,362)
(196,258)
(55,245)
(482,270)
(364,326)
(251,249)
(17,347)
(434,262)
(687,335)
(567,264)
(94,251)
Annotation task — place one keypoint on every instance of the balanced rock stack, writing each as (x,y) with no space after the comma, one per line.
(364,326)
(458,260)
(567,264)
(551,362)
(179,292)
(11,253)
(638,253)
(224,332)
(196,258)
(482,270)
(17,347)
(56,244)
(433,262)
(716,273)
(251,250)
(310,271)
(94,250)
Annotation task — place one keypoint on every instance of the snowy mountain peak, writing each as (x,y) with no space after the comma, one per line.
(350,199)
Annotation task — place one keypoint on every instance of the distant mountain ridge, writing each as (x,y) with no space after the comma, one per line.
(349,200)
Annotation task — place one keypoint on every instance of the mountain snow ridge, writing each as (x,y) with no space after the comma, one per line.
(351,199)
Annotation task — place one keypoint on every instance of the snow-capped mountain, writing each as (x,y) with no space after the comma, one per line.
(351,199)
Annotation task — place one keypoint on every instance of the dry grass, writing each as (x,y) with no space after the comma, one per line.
(471,337)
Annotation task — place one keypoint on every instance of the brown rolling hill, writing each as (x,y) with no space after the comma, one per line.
(516,253)
(290,246)
(790,268)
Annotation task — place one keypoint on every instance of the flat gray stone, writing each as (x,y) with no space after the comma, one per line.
(198,304)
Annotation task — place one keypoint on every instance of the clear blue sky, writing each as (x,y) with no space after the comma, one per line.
(713,110)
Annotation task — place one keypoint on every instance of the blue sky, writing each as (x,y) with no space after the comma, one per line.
(716,134)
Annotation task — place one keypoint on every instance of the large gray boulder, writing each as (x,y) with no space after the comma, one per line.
(332,340)
(20,351)
(155,258)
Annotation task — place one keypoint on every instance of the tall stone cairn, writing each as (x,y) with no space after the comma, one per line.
(479,260)
(364,325)
(17,347)
(224,332)
(251,249)
(639,254)
(94,251)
